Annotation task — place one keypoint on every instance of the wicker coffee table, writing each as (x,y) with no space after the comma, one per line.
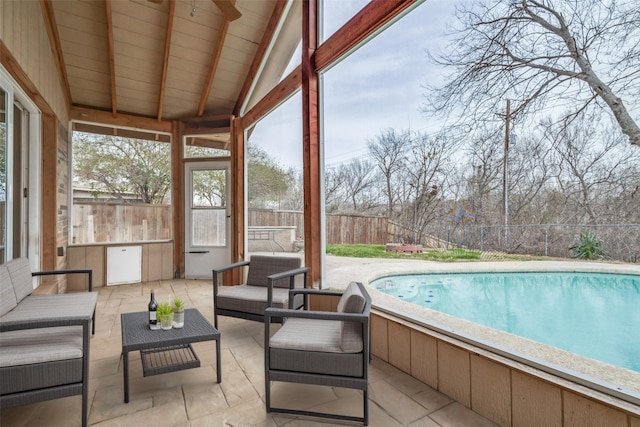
(165,351)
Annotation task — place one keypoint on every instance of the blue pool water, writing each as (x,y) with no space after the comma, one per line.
(595,315)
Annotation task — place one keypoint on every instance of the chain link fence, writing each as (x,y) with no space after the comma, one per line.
(621,242)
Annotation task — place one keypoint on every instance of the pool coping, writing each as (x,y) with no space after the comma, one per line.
(614,381)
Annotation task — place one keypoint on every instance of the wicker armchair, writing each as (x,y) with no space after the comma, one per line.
(322,348)
(269,279)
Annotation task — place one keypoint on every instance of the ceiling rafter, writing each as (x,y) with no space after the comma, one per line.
(164,91)
(213,65)
(112,59)
(263,49)
(54,40)
(92,115)
(165,63)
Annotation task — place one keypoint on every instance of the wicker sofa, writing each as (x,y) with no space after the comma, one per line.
(44,339)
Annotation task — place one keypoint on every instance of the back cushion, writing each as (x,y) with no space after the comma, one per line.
(20,274)
(261,267)
(352,301)
(7,295)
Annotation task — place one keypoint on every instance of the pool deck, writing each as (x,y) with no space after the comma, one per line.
(343,270)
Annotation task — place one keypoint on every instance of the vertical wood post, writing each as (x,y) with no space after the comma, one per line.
(311,142)
(49,196)
(238,251)
(177,197)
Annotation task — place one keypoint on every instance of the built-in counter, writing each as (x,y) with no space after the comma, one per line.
(156,261)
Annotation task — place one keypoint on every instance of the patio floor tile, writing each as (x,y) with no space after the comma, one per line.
(192,398)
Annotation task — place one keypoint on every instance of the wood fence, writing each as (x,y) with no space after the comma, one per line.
(340,229)
(111,222)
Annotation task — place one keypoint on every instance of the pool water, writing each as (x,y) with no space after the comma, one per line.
(591,314)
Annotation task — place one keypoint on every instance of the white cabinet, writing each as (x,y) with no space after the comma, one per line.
(124,265)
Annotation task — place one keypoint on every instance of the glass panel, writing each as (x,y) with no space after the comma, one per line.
(336,13)
(209,188)
(274,182)
(208,227)
(3,172)
(274,159)
(208,207)
(207,146)
(373,99)
(121,189)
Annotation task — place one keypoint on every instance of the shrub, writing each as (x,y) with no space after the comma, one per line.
(588,247)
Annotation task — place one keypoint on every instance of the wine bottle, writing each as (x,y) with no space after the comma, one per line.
(153,306)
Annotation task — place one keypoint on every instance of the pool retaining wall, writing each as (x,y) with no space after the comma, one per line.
(508,392)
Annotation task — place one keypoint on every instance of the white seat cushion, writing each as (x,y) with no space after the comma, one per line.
(41,345)
(308,335)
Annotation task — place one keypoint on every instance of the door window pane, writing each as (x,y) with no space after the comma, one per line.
(208,227)
(208,207)
(209,188)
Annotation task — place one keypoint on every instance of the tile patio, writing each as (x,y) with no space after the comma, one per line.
(192,398)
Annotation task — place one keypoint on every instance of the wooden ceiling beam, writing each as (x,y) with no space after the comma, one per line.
(373,17)
(112,59)
(263,48)
(165,63)
(119,119)
(213,65)
(54,40)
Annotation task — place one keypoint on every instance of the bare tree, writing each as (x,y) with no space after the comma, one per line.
(388,153)
(333,189)
(294,199)
(530,170)
(483,177)
(595,167)
(424,176)
(357,180)
(576,53)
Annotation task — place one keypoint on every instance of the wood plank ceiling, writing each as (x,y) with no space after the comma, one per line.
(171,59)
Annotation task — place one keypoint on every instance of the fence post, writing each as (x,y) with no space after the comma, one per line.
(546,240)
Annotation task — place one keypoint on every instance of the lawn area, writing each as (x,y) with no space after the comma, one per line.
(452,254)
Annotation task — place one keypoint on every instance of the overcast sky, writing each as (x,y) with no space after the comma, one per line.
(379,86)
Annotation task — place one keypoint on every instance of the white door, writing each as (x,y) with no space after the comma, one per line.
(207,218)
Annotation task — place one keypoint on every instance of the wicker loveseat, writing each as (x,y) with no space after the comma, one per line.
(44,339)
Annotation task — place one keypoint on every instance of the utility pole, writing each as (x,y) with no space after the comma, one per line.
(505,189)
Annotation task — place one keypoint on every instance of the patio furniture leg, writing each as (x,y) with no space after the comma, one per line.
(218,362)
(125,374)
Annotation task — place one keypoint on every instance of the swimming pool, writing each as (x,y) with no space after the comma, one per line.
(592,314)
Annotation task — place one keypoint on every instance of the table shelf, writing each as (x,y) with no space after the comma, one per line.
(163,360)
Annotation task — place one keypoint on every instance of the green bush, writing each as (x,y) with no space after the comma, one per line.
(588,247)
